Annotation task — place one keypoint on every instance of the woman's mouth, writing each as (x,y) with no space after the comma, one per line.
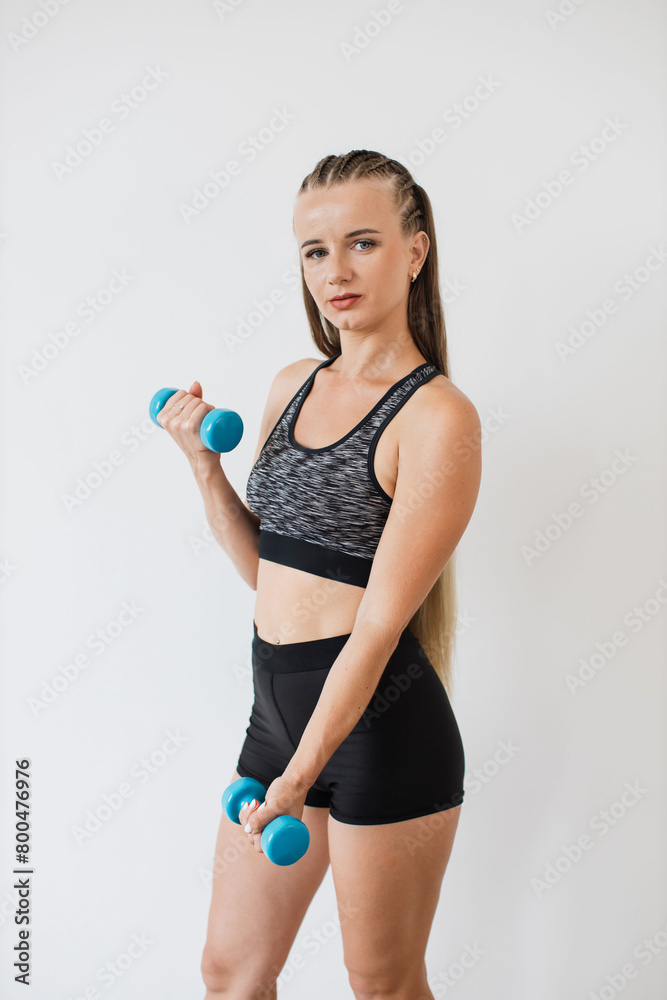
(345,302)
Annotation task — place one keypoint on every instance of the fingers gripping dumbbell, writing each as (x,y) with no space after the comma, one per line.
(285,839)
(220,431)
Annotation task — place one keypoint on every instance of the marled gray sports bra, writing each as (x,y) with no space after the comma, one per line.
(322,510)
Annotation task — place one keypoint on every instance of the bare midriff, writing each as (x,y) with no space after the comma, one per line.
(293,606)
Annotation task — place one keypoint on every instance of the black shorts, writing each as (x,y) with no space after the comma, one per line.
(404,757)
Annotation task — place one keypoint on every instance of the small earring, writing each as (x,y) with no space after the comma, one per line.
(415,273)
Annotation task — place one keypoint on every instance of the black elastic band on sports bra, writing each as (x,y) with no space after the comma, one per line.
(311,557)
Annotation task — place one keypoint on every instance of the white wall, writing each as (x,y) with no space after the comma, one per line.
(182,665)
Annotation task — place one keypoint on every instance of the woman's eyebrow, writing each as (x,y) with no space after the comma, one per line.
(356,232)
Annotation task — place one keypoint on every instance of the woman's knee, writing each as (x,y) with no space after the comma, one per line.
(392,983)
(242,977)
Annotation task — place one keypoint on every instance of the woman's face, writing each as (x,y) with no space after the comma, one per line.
(353,245)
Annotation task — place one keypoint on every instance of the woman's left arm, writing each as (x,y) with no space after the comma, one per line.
(438,480)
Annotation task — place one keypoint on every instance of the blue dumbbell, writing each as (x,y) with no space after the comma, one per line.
(221,430)
(285,839)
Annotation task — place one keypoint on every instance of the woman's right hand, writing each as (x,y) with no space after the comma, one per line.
(182,416)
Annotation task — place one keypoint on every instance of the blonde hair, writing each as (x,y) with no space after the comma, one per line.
(434,622)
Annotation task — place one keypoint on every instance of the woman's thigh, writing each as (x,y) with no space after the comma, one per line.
(388,880)
(257,907)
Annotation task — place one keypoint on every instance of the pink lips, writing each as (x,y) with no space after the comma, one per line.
(346,302)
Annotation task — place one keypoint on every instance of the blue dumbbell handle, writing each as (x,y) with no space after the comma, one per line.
(220,431)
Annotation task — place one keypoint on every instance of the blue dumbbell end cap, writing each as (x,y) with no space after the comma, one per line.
(157,402)
(240,791)
(221,430)
(285,840)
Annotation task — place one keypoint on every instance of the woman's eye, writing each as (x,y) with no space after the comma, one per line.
(371,243)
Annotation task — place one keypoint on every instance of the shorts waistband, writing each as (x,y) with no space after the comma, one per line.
(307,654)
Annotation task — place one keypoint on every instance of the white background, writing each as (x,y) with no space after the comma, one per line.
(182,665)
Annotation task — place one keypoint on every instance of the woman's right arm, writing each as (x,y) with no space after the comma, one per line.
(232,523)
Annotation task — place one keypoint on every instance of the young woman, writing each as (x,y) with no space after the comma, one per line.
(365,476)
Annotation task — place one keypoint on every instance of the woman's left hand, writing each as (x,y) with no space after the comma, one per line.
(284,797)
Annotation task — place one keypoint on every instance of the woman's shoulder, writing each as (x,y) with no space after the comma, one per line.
(286,383)
(441,402)
(290,378)
(297,369)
